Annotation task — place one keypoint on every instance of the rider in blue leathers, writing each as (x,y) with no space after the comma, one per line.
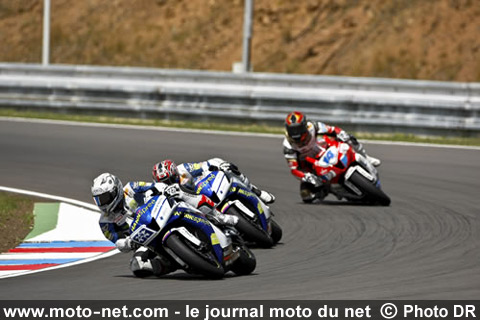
(119,203)
(186,174)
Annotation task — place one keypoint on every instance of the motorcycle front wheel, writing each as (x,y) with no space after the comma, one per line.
(276,231)
(250,230)
(246,263)
(372,193)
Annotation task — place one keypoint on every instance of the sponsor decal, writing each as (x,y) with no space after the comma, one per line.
(142,211)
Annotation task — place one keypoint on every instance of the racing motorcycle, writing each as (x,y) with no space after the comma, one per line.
(232,196)
(189,239)
(354,177)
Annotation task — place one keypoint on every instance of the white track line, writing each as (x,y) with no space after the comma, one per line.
(61,199)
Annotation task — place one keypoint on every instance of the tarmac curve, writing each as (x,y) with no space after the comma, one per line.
(424,246)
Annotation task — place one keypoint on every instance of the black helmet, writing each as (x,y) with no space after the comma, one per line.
(297,128)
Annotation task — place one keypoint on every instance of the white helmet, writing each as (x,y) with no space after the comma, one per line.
(107,191)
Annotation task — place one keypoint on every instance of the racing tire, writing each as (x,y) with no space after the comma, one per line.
(246,262)
(196,263)
(276,231)
(372,193)
(249,231)
(142,273)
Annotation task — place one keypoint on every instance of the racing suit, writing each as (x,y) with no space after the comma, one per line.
(311,186)
(116,226)
(193,171)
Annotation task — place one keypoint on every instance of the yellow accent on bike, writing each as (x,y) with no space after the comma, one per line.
(214,239)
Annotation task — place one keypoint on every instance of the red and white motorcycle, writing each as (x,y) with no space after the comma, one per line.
(349,174)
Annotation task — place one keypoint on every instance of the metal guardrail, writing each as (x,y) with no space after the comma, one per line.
(360,104)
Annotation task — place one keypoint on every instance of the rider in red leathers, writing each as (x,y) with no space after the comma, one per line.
(306,139)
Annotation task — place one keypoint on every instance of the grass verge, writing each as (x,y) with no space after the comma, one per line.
(253,128)
(16,219)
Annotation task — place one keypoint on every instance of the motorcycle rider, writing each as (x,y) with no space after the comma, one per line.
(305,139)
(118,204)
(185,174)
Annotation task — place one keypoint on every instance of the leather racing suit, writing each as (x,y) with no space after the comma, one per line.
(116,226)
(194,171)
(312,187)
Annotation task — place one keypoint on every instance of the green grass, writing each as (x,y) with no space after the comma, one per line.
(252,128)
(16,219)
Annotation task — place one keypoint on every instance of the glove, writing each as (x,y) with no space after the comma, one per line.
(227,166)
(354,140)
(124,245)
(156,189)
(312,179)
(235,169)
(343,136)
(149,193)
(172,191)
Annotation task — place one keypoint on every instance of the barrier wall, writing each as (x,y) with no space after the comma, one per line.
(361,104)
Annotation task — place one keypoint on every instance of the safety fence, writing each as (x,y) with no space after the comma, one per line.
(360,104)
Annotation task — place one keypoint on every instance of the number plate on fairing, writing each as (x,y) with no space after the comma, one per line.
(330,158)
(143,235)
(221,185)
(162,211)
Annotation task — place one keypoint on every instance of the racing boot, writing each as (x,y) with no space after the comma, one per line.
(374,161)
(224,219)
(358,147)
(265,196)
(145,263)
(162,265)
(141,264)
(228,219)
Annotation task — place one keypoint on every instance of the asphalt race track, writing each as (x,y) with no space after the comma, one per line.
(424,246)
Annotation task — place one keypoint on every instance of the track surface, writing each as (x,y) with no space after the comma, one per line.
(424,246)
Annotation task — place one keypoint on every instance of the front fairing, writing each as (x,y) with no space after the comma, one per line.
(194,220)
(150,219)
(215,185)
(335,159)
(240,192)
(143,214)
(153,223)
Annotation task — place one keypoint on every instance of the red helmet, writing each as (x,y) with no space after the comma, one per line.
(165,171)
(297,128)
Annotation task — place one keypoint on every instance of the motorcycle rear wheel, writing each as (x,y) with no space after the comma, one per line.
(246,263)
(195,262)
(249,231)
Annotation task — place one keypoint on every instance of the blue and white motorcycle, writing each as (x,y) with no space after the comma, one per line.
(232,196)
(189,239)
